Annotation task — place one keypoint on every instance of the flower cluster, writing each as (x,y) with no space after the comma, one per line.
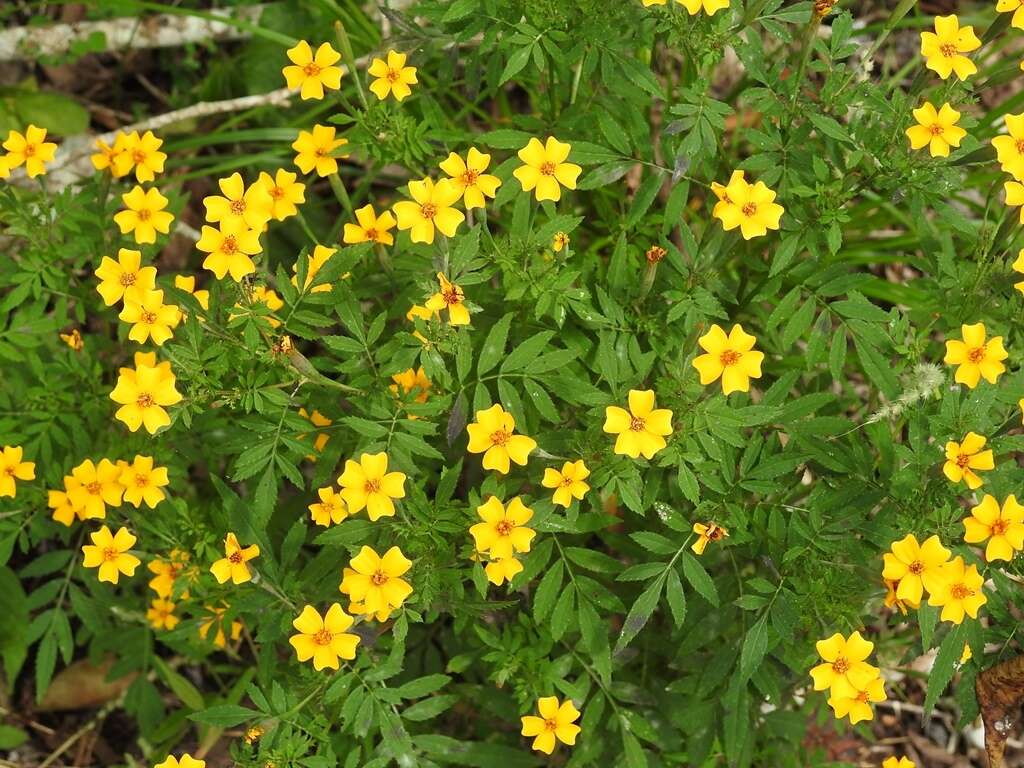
(853,684)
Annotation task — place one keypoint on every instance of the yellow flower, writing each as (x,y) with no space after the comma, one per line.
(450,297)
(392,77)
(854,695)
(315,150)
(260,294)
(253,207)
(1005,6)
(143,393)
(217,619)
(107,153)
(161,614)
(234,563)
(330,509)
(693,7)
(842,656)
(253,734)
(559,241)
(500,571)
(142,482)
(369,484)
(568,483)
(958,591)
(187,283)
(901,762)
(469,177)
(284,191)
(943,49)
(412,380)
(186,760)
(323,638)
(431,210)
(732,357)
(892,600)
(555,723)
(916,567)
(707,533)
(546,171)
(1003,528)
(94,487)
(642,429)
(492,434)
(150,317)
(141,153)
(73,339)
(229,249)
(964,460)
(144,214)
(30,149)
(1010,148)
(317,419)
(314,262)
(503,530)
(976,357)
(64,511)
(124,277)
(936,130)
(167,572)
(751,207)
(312,73)
(109,552)
(371,227)
(12,468)
(373,582)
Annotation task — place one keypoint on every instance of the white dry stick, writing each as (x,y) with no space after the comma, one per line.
(159,31)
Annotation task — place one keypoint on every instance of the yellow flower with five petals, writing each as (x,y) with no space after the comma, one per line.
(234,564)
(450,297)
(393,77)
(975,357)
(1001,526)
(914,567)
(312,72)
(959,591)
(125,277)
(144,214)
(430,209)
(732,357)
(503,530)
(944,49)
(568,483)
(368,484)
(374,583)
(751,207)
(139,153)
(642,429)
(109,553)
(324,639)
(370,228)
(30,149)
(557,722)
(468,175)
(12,469)
(315,150)
(493,435)
(936,130)
(546,171)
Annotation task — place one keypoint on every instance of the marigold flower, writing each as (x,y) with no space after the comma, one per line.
(546,171)
(313,72)
(1015,195)
(64,511)
(253,734)
(975,356)
(323,638)
(141,153)
(167,572)
(559,241)
(185,761)
(707,533)
(252,206)
(150,317)
(431,210)
(1002,527)
(1010,148)
(500,571)
(285,192)
(936,130)
(556,723)
(751,207)
(843,657)
(412,381)
(94,487)
(144,214)
(315,150)
(964,460)
(12,469)
(217,620)
(1017,7)
(73,339)
(234,563)
(142,482)
(853,696)
(568,483)
(314,262)
(109,553)
(30,149)
(317,419)
(143,393)
(373,582)
(492,434)
(330,509)
(503,530)
(898,762)
(469,177)
(106,153)
(450,297)
(693,7)
(892,600)
(958,591)
(369,484)
(392,77)
(371,227)
(916,567)
(642,429)
(943,49)
(229,249)
(161,614)
(732,357)
(124,277)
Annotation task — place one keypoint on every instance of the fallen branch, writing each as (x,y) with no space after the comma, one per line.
(1000,692)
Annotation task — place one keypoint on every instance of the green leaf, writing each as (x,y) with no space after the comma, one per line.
(515,64)
(224,715)
(699,578)
(946,659)
(639,614)
(416,689)
(547,591)
(755,646)
(494,345)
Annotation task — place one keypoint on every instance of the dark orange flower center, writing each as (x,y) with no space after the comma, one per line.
(469,177)
(110,554)
(840,666)
(636,424)
(393,75)
(30,149)
(235,557)
(141,480)
(948,50)
(127,278)
(976,355)
(551,724)
(277,192)
(428,210)
(452,296)
(500,437)
(936,129)
(323,637)
(230,245)
(94,488)
(960,591)
(566,481)
(143,214)
(138,157)
(379,578)
(729,357)
(749,209)
(963,460)
(862,696)
(372,486)
(147,317)
(238,207)
(371,234)
(9,471)
(999,527)
(1020,146)
(144,400)
(916,567)
(504,527)
(312,69)
(547,168)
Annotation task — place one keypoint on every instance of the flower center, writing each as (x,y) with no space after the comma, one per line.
(715,533)
(30,149)
(230,245)
(1020,146)
(948,50)
(148,317)
(94,488)
(566,481)
(636,424)
(110,554)
(862,696)
(238,207)
(451,296)
(916,567)
(277,192)
(655,254)
(976,355)
(379,578)
(393,76)
(144,400)
(840,666)
(547,168)
(500,437)
(469,177)
(960,591)
(729,357)
(372,486)
(999,527)
(963,460)
(551,724)
(371,234)
(311,69)
(428,210)
(323,637)
(9,471)
(936,130)
(127,278)
(235,557)
(141,481)
(138,157)
(749,209)
(504,527)
(143,214)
